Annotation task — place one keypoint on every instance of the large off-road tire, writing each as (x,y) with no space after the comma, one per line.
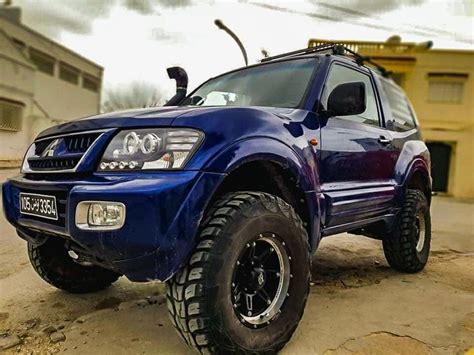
(53,264)
(245,286)
(408,246)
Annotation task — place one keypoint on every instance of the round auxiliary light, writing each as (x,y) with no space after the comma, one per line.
(149,143)
(131,143)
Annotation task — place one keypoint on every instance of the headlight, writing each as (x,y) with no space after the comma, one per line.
(148,149)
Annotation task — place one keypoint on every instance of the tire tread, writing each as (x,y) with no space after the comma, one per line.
(186,296)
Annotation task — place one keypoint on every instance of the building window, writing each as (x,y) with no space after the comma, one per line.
(44,62)
(69,73)
(91,83)
(446,87)
(11,113)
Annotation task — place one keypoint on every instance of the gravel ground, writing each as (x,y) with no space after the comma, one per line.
(357,303)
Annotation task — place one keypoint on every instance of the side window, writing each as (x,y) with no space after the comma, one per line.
(340,74)
(403,117)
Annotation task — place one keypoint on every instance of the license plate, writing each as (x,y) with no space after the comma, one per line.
(43,206)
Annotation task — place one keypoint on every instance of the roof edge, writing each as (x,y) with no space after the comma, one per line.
(36,33)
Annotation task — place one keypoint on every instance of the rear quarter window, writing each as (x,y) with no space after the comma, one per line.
(402,114)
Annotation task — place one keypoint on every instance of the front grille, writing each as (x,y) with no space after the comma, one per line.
(60,153)
(61,202)
(80,143)
(41,146)
(53,163)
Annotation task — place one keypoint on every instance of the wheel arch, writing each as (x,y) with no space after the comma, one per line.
(267,165)
(418,178)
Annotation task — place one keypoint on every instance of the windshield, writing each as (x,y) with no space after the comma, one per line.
(279,84)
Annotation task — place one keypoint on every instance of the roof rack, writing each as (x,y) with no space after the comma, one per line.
(332,48)
(320,48)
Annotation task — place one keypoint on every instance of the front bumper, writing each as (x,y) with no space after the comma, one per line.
(164,210)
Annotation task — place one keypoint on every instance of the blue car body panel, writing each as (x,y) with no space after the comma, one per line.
(163,213)
(349,179)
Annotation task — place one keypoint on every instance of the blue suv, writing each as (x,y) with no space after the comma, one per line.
(225,193)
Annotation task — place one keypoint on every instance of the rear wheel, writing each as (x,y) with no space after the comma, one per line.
(246,284)
(407,248)
(53,264)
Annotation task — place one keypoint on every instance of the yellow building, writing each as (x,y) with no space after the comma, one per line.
(440,84)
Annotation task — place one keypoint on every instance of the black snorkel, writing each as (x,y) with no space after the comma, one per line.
(181,77)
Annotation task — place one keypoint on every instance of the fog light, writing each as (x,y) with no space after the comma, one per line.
(100,215)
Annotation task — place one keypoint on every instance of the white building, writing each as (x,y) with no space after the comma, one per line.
(42,83)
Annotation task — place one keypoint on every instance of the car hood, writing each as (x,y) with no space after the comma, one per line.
(159,116)
(155,116)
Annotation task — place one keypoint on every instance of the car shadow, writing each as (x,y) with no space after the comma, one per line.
(346,261)
(132,318)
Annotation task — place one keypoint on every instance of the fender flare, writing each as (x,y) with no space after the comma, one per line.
(414,155)
(417,165)
(269,149)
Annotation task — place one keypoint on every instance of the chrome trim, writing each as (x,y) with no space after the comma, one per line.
(73,134)
(81,216)
(421,231)
(25,167)
(283,284)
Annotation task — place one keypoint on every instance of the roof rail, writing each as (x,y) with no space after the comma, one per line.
(333,48)
(320,48)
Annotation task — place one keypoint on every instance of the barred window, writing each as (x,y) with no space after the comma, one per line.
(69,73)
(10,115)
(91,83)
(445,92)
(44,62)
(446,88)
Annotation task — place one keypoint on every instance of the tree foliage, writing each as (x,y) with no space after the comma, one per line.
(137,94)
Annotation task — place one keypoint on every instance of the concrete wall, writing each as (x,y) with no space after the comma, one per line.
(44,44)
(63,100)
(461,174)
(441,115)
(447,122)
(46,99)
(16,84)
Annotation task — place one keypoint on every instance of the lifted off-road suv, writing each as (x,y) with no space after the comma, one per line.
(226,193)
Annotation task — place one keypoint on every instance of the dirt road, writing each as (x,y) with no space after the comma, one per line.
(357,303)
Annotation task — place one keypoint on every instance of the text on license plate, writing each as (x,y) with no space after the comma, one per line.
(38,205)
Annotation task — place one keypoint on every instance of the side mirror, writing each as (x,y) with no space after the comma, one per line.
(347,99)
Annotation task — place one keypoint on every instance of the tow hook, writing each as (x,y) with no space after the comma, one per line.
(74,256)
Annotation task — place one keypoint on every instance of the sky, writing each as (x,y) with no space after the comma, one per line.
(136,40)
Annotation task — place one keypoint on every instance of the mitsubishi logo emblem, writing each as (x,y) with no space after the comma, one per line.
(50,149)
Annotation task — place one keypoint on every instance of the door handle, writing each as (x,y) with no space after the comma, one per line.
(384,140)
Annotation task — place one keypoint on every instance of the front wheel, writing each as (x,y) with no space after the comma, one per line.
(53,264)
(245,286)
